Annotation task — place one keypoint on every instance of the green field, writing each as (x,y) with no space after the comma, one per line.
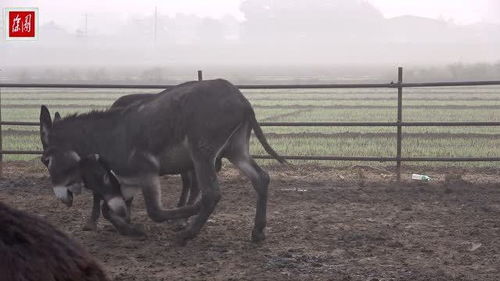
(420,104)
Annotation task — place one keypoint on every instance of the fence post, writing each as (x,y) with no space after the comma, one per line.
(1,137)
(200,75)
(400,119)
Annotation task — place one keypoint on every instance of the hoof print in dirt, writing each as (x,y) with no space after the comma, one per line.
(455,180)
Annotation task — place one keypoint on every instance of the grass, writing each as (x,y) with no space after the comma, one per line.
(349,105)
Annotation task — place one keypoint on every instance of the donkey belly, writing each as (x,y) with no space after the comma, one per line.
(175,160)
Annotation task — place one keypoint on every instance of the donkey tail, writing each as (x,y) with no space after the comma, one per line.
(262,139)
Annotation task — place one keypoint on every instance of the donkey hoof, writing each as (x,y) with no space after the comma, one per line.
(135,233)
(137,230)
(89,226)
(258,236)
(179,224)
(182,237)
(180,242)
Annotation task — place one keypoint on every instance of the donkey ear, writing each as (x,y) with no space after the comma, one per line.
(45,126)
(106,179)
(57,117)
(113,178)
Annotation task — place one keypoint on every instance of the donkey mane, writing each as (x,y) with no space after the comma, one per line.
(95,114)
(82,129)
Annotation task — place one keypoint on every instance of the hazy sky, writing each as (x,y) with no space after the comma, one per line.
(70,13)
(461,11)
(309,31)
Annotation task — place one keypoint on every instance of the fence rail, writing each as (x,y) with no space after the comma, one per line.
(391,85)
(334,124)
(399,85)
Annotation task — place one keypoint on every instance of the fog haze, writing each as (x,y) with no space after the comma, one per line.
(257,33)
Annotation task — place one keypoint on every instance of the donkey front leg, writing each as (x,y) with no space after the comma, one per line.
(194,190)
(190,190)
(188,196)
(91,224)
(152,197)
(121,223)
(128,203)
(187,181)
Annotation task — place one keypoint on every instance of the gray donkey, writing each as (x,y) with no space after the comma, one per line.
(100,185)
(105,186)
(190,188)
(182,129)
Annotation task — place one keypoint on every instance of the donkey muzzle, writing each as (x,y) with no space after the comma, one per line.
(64,194)
(118,206)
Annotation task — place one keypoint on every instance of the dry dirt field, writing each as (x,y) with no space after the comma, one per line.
(355,223)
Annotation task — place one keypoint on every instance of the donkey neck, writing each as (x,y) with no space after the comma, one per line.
(94,132)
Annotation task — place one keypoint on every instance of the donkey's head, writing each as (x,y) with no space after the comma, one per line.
(62,163)
(98,177)
(68,171)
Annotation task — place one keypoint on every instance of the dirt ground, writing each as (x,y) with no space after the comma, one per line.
(355,223)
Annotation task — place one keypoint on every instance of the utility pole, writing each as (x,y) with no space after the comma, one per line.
(1,137)
(156,23)
(86,24)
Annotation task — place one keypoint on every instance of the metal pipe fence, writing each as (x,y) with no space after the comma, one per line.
(399,124)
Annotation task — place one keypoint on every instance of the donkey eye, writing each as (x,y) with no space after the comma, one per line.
(45,161)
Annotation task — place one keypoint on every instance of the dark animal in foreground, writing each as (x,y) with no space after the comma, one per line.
(32,249)
(185,128)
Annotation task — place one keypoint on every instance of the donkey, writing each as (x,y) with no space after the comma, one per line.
(102,181)
(188,195)
(32,249)
(103,186)
(189,186)
(182,129)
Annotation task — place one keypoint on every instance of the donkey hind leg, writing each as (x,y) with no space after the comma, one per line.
(121,224)
(206,178)
(91,223)
(260,182)
(238,153)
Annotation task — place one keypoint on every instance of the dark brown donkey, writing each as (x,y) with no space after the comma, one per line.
(32,249)
(187,127)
